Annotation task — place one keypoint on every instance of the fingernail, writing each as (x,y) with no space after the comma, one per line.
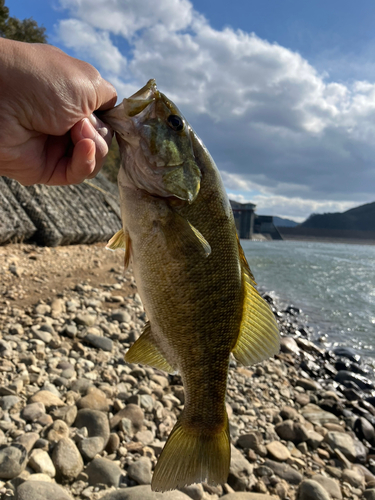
(98,125)
(87,130)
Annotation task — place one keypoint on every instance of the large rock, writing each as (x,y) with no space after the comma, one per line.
(242,495)
(38,490)
(140,471)
(12,460)
(284,471)
(240,470)
(344,377)
(278,451)
(354,450)
(104,471)
(41,462)
(95,399)
(47,398)
(97,426)
(330,485)
(317,416)
(144,493)
(67,460)
(133,413)
(311,490)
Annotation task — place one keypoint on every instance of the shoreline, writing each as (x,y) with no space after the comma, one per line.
(316,239)
(300,422)
(345,241)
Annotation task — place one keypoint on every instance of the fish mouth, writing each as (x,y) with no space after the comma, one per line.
(119,117)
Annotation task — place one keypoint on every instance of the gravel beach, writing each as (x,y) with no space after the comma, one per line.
(77,422)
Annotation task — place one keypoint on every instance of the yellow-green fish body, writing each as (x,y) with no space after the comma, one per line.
(194,281)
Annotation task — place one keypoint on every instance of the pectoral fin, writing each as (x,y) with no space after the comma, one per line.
(259,335)
(121,240)
(181,237)
(146,352)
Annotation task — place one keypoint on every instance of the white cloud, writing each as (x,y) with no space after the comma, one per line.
(270,120)
(126,17)
(95,44)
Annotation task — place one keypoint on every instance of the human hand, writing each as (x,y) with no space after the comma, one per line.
(48,134)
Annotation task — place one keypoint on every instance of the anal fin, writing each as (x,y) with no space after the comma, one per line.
(146,352)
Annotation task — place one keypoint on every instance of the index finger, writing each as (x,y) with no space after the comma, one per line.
(106,95)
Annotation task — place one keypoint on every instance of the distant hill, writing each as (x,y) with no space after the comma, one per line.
(361,218)
(281,222)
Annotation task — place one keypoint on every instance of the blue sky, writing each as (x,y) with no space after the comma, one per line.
(281,92)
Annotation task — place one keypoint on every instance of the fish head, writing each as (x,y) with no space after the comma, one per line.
(155,145)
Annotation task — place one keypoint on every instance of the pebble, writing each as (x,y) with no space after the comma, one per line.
(352,449)
(67,460)
(354,478)
(41,462)
(311,490)
(121,316)
(284,471)
(132,412)
(12,460)
(85,319)
(41,490)
(278,451)
(67,396)
(104,471)
(33,411)
(96,422)
(140,471)
(95,399)
(99,342)
(330,485)
(144,493)
(47,398)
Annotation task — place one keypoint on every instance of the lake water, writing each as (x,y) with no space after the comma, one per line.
(334,284)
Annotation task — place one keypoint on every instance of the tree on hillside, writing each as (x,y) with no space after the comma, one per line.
(22,31)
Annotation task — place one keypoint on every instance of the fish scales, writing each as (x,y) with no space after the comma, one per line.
(194,281)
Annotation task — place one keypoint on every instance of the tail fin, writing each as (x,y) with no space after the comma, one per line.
(191,456)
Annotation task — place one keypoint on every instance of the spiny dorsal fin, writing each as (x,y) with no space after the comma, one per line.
(146,352)
(121,240)
(259,336)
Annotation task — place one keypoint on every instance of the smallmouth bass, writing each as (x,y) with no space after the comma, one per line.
(195,283)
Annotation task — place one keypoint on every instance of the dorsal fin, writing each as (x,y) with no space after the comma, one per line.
(259,334)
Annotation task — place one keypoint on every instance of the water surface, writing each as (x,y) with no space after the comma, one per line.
(334,284)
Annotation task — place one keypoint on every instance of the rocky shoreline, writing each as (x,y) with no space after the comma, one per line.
(77,422)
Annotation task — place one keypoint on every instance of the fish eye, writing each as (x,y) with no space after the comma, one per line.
(175,122)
